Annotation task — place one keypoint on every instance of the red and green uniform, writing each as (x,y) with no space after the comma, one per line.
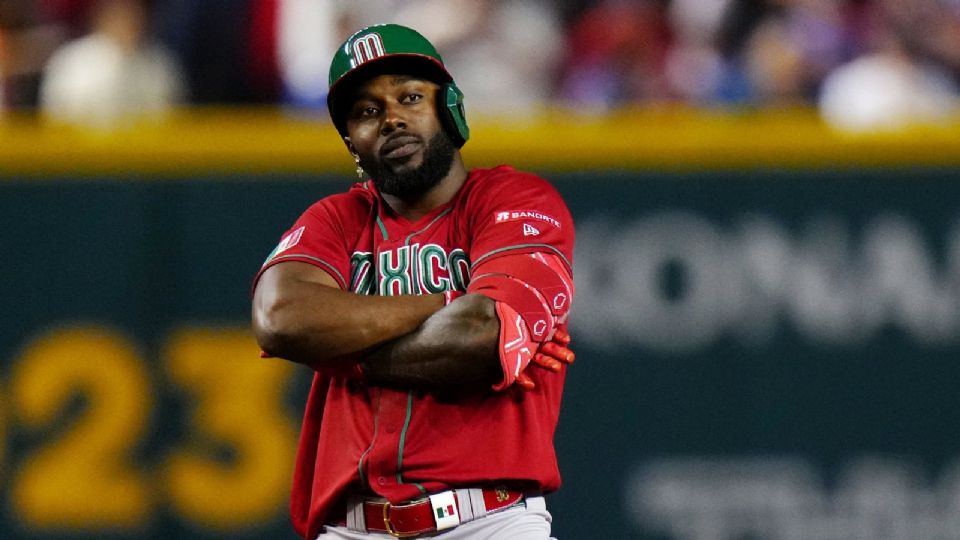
(403,444)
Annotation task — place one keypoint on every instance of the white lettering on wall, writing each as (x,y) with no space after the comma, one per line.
(783,499)
(830,283)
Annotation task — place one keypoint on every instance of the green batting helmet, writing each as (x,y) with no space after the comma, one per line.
(384,48)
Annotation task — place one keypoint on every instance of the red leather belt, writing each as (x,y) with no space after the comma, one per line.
(414,518)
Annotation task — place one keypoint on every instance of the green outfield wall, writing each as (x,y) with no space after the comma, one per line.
(765,350)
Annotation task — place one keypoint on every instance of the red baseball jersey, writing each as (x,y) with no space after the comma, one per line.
(402,444)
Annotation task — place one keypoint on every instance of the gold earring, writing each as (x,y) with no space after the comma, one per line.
(359,168)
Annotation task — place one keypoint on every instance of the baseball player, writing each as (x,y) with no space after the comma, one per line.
(431,301)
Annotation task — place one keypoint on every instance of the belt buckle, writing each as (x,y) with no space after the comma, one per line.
(390,530)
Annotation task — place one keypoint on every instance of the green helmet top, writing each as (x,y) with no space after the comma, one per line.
(378,48)
(382,41)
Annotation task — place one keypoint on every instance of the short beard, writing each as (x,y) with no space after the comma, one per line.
(437,160)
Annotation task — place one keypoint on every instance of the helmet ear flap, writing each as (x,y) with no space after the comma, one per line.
(452,114)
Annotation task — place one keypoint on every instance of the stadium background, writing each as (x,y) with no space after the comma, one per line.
(767,322)
(766,347)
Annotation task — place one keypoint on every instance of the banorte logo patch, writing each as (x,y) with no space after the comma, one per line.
(504,216)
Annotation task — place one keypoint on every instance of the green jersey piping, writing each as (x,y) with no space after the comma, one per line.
(363,456)
(320,262)
(383,228)
(403,439)
(498,251)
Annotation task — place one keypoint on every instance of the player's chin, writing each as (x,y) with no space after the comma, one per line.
(406,164)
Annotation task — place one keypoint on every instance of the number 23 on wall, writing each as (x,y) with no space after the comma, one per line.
(86,476)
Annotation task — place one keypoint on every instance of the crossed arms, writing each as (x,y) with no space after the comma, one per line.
(300,314)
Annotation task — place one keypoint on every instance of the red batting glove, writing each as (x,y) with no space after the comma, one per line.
(560,336)
(524,382)
(552,355)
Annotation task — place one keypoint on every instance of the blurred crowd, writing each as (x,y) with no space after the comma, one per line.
(867,64)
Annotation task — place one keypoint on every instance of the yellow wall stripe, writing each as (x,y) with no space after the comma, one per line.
(263,140)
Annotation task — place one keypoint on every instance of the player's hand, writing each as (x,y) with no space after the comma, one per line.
(555,353)
(552,355)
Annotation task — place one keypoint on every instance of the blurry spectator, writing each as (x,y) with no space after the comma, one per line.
(694,65)
(774,63)
(503,53)
(777,51)
(113,73)
(886,91)
(73,16)
(616,53)
(308,34)
(904,78)
(26,42)
(227,48)
(514,56)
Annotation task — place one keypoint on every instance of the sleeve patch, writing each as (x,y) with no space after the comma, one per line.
(286,243)
(504,216)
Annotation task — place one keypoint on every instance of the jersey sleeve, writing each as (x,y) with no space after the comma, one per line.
(317,238)
(516,213)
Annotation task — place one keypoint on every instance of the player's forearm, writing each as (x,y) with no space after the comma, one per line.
(317,325)
(455,346)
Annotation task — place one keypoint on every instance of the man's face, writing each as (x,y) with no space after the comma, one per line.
(393,127)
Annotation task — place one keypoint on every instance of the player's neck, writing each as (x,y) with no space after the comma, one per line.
(415,208)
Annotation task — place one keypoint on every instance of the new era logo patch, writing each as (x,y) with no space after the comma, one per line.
(530,230)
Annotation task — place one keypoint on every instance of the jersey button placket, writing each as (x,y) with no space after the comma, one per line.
(385,455)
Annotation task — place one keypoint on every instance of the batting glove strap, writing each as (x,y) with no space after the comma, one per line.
(516,347)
